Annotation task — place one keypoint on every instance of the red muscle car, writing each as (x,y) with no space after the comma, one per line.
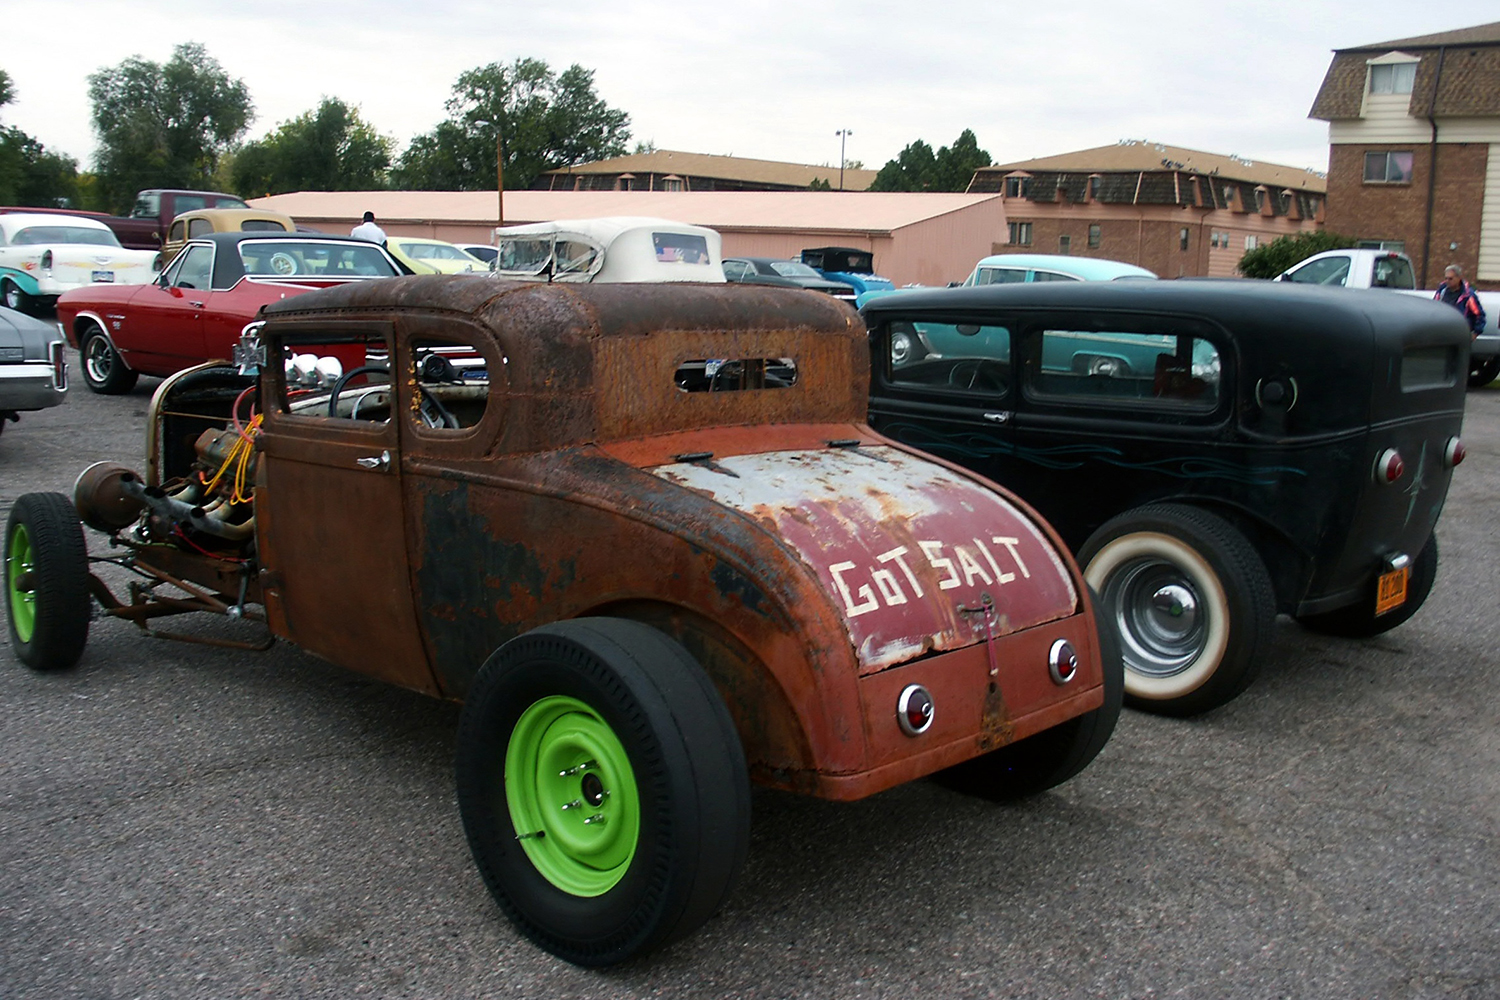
(195,310)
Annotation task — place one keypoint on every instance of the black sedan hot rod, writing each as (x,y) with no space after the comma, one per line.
(1215,452)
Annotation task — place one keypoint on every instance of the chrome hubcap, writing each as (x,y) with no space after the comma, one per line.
(1163,622)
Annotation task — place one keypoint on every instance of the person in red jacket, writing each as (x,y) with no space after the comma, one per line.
(1459,294)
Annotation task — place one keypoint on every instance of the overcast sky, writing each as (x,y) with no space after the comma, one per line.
(765,80)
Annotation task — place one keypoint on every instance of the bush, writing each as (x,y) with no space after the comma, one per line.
(1270,259)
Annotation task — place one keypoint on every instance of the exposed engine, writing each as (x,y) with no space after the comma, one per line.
(211,509)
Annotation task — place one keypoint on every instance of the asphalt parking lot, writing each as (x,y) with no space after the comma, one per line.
(187,821)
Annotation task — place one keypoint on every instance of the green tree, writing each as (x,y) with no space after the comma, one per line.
(546,121)
(29,175)
(165,125)
(328,149)
(1270,259)
(918,168)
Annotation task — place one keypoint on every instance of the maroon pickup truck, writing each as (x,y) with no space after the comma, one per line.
(146,226)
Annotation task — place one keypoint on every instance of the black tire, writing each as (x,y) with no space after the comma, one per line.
(1192,602)
(675,743)
(46,582)
(103,368)
(17,299)
(1483,371)
(1359,621)
(1048,758)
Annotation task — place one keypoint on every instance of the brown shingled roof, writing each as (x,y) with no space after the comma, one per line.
(1146,155)
(1480,34)
(1470,79)
(736,168)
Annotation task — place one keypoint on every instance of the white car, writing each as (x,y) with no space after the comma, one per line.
(611,249)
(44,255)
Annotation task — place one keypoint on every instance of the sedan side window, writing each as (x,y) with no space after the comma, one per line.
(196,270)
(949,357)
(1001,276)
(199,227)
(736,270)
(1135,368)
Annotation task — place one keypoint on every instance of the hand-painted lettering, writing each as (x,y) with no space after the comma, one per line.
(867,596)
(933,551)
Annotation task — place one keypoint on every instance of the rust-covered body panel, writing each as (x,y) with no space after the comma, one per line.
(756,526)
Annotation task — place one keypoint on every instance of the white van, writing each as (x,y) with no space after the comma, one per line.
(612,249)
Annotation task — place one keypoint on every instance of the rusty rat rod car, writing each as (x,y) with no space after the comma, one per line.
(1217,451)
(647,538)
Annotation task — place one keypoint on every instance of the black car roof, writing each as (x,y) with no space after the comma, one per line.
(1273,311)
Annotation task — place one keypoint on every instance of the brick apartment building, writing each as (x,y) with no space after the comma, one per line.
(1413,133)
(1175,211)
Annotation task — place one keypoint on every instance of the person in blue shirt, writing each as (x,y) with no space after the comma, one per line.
(1459,294)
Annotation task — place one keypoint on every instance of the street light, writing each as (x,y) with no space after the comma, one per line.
(499,171)
(843,134)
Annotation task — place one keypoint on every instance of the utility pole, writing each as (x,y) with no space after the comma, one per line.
(499,171)
(843,134)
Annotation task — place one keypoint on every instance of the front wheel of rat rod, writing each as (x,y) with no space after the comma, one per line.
(603,789)
(46,582)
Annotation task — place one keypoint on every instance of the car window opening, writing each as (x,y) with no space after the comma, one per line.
(735,375)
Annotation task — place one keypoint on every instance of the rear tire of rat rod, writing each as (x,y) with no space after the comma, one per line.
(1192,603)
(1052,756)
(104,370)
(46,582)
(603,789)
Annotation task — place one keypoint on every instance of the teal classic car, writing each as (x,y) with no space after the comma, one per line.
(1025,268)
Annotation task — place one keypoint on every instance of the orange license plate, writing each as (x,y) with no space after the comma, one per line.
(1390,594)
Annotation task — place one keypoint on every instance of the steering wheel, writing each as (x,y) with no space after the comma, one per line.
(431,410)
(975,373)
(283,263)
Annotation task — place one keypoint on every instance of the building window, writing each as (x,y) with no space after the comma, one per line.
(1182,238)
(1251,242)
(1393,78)
(1020,234)
(1094,237)
(1065,244)
(671,182)
(1388,168)
(1017,187)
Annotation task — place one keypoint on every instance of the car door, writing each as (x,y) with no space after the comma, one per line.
(329,496)
(163,330)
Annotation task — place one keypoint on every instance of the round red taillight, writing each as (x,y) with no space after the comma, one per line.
(914,710)
(1062,662)
(1389,467)
(1454,452)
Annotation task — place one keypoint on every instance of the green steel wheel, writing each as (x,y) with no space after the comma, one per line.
(46,582)
(602,787)
(568,778)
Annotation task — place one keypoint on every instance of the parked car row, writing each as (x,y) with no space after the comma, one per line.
(863,534)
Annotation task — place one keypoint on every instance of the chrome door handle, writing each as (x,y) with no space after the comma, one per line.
(381,461)
(997,418)
(197,305)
